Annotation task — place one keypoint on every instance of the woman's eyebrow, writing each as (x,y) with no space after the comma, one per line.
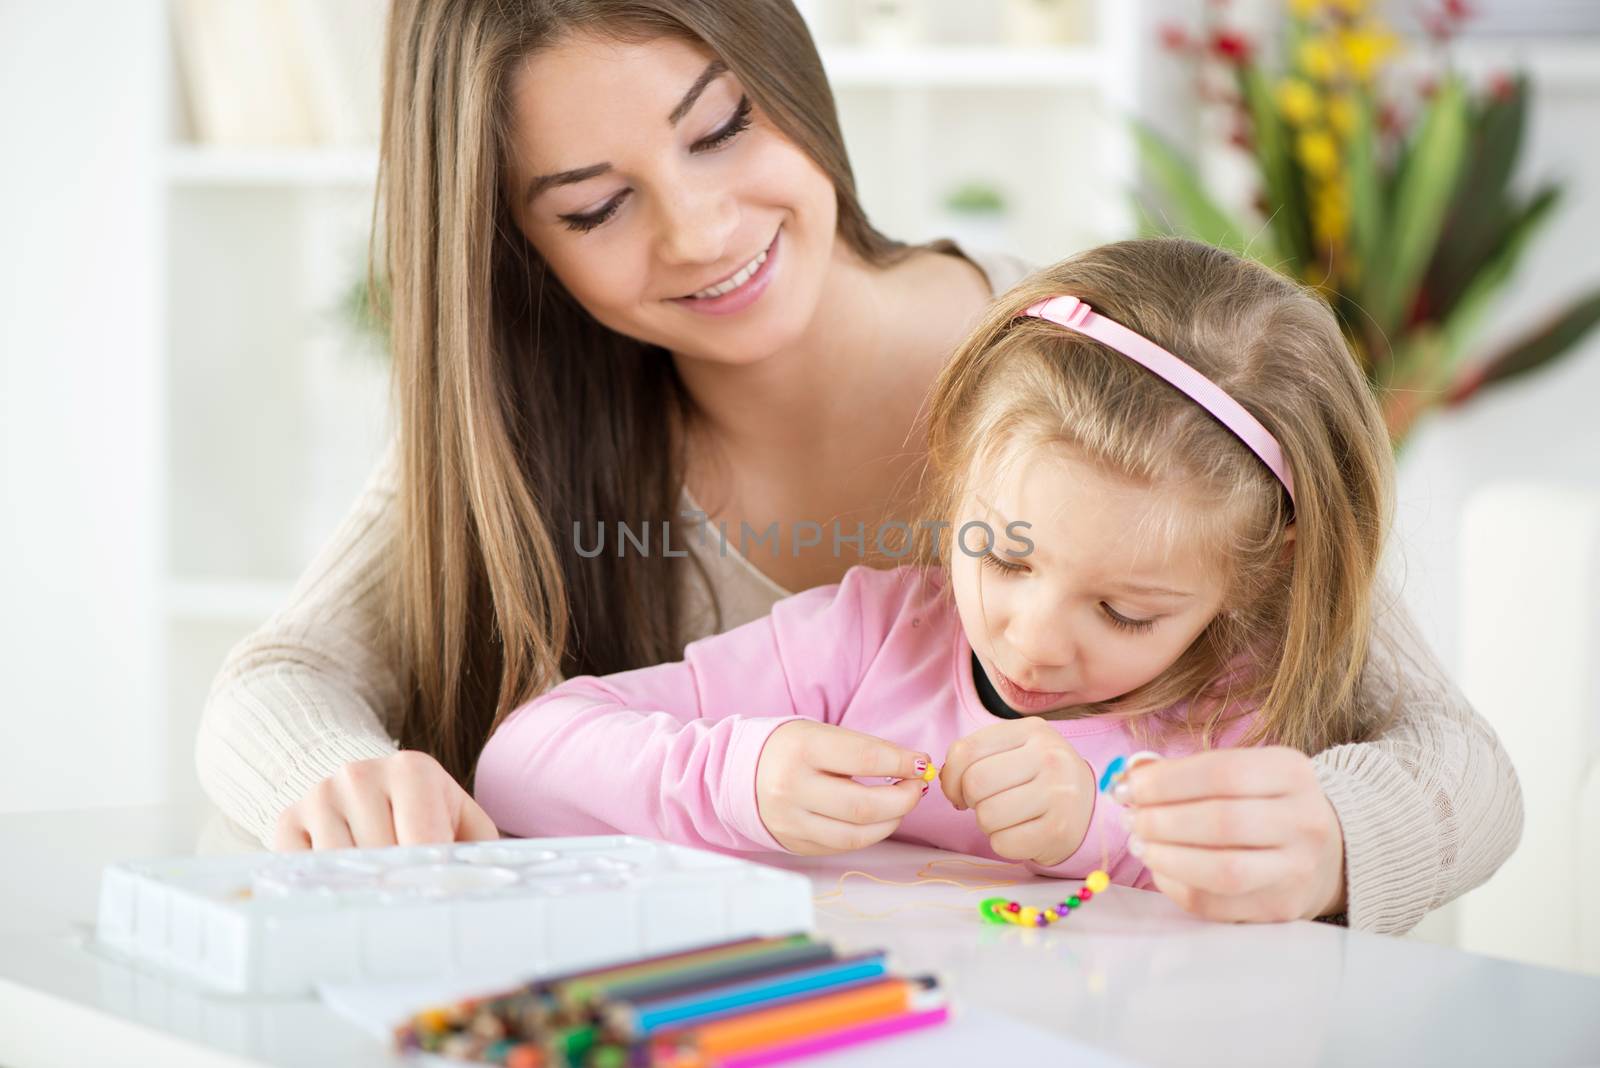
(714,70)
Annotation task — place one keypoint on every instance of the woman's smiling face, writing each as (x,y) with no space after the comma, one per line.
(664,200)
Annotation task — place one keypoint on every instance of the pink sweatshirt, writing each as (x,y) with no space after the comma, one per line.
(670,751)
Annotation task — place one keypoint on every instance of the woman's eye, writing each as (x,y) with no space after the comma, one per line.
(735,126)
(583,223)
(1122,622)
(1005,567)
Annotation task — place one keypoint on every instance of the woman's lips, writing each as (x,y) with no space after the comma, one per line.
(739,299)
(1024,699)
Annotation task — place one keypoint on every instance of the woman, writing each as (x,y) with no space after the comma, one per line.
(632,284)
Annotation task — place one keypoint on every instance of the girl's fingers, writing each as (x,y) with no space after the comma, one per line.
(421,812)
(977,746)
(842,751)
(369,817)
(328,829)
(836,836)
(290,835)
(1219,871)
(995,774)
(1271,771)
(850,802)
(473,823)
(1270,905)
(1235,822)
(1009,808)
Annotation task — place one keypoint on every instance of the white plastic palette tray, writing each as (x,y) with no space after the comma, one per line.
(280,923)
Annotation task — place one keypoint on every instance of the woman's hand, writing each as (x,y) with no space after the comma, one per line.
(807,797)
(1238,834)
(1031,791)
(403,799)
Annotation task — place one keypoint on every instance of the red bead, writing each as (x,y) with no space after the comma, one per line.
(1015,906)
(1085,894)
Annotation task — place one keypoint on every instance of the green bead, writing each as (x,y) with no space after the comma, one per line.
(1073,902)
(988,906)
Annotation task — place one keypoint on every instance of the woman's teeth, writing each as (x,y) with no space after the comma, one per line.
(733,283)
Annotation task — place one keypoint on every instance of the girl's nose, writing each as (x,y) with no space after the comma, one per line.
(697,227)
(1041,637)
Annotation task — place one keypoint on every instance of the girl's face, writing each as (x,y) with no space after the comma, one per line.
(664,201)
(1110,595)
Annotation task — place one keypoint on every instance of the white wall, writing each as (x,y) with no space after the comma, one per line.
(79,403)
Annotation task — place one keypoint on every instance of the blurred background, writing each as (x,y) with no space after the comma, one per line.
(190,396)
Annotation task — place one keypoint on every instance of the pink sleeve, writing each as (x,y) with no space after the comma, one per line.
(670,751)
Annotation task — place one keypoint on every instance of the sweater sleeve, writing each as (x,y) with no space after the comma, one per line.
(677,744)
(312,689)
(1431,806)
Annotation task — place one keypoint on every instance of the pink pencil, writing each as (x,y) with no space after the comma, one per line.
(847,1036)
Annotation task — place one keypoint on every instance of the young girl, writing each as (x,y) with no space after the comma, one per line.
(1163,485)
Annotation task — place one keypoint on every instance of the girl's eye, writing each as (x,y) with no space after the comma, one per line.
(584,223)
(1005,567)
(735,126)
(1122,622)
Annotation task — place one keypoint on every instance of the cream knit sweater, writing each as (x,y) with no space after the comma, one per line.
(1429,809)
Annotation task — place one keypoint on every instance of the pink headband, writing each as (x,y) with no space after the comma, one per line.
(1074,314)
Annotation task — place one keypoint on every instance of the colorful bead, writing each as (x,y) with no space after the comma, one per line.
(931,774)
(1112,773)
(999,910)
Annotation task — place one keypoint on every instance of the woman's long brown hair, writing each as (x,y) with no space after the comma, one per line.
(517,413)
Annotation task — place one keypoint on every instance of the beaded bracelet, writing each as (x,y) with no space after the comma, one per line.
(999,910)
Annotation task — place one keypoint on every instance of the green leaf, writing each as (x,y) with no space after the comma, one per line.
(1421,196)
(1482,210)
(1367,219)
(1288,217)
(1467,314)
(1193,213)
(1543,345)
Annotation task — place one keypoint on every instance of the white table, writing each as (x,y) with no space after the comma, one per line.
(1130,974)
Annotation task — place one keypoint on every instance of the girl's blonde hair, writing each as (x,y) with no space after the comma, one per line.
(1297,609)
(518,413)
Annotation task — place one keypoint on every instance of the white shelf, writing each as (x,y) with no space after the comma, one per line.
(202,165)
(964,68)
(225,601)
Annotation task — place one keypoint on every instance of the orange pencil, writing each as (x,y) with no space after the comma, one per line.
(861,1004)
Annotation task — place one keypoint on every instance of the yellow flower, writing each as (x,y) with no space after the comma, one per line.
(1305,8)
(1364,49)
(1342,115)
(1298,101)
(1318,152)
(1318,58)
(1330,214)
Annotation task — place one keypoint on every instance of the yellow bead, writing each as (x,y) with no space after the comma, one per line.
(433,1020)
(931,774)
(1097,881)
(1051,916)
(1027,916)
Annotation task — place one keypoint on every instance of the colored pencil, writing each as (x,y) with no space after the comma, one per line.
(834,1040)
(640,1018)
(803,1019)
(682,979)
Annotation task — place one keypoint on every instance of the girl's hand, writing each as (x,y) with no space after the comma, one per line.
(807,797)
(406,798)
(1238,834)
(1031,791)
